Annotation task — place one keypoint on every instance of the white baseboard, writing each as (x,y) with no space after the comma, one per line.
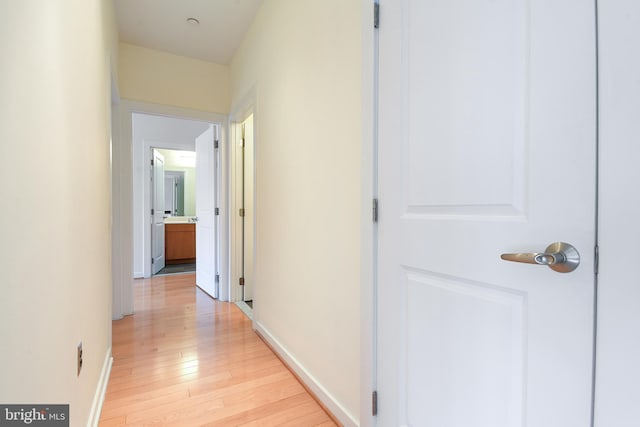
(248,311)
(312,383)
(98,399)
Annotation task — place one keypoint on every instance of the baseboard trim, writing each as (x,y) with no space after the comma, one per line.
(101,390)
(336,411)
(248,311)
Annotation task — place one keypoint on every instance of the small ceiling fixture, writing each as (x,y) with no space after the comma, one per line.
(193,22)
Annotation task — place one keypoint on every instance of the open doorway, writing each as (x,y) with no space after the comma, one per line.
(135,126)
(170,140)
(243,241)
(173,200)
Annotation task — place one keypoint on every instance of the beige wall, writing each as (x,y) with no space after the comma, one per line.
(55,242)
(303,59)
(162,78)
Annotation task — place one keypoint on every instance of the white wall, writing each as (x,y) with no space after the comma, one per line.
(303,59)
(153,76)
(618,352)
(55,231)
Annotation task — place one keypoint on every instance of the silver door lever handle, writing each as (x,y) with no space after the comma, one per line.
(559,256)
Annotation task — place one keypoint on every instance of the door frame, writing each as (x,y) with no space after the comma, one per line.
(148,147)
(368,237)
(618,319)
(240,112)
(125,168)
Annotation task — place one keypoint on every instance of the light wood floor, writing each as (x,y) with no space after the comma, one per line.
(185,359)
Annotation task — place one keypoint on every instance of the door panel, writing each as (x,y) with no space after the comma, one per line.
(157,220)
(479,363)
(466,83)
(486,146)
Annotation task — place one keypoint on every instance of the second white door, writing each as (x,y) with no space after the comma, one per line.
(206,185)
(157,215)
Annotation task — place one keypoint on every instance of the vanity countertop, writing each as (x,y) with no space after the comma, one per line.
(180,220)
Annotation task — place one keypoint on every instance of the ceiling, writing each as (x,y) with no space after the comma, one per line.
(162,25)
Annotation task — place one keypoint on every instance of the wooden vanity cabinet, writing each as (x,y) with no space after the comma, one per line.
(179,243)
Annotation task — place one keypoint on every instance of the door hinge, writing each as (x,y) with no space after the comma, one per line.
(376,15)
(375,210)
(241,281)
(217,211)
(153,212)
(151,162)
(596,261)
(217,278)
(241,212)
(216,144)
(374,403)
(153,261)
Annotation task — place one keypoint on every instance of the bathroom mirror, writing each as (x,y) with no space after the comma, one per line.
(174,193)
(179,182)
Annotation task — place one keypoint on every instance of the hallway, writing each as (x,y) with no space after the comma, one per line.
(185,359)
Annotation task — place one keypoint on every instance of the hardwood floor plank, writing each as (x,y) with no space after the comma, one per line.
(113,422)
(124,407)
(281,411)
(185,359)
(314,418)
(307,414)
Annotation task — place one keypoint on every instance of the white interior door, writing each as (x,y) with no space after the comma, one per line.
(249,211)
(206,253)
(157,216)
(486,146)
(244,208)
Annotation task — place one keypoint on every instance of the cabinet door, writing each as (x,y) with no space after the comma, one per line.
(180,242)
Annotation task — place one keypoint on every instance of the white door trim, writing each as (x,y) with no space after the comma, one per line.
(121,251)
(368,264)
(618,349)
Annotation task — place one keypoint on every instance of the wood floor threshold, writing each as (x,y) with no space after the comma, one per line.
(302,383)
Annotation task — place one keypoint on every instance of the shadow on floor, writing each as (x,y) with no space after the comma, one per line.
(177,269)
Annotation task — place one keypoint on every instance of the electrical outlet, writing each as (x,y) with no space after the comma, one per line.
(79,357)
